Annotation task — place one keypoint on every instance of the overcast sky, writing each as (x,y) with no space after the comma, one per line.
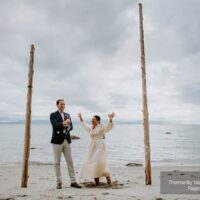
(88,53)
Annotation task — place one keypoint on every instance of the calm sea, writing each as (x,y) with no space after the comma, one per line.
(125,144)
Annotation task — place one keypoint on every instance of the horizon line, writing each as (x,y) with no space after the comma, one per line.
(45,121)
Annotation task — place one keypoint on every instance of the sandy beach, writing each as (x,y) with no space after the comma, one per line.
(128,183)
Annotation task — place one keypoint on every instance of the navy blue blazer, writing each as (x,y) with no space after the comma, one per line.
(59,132)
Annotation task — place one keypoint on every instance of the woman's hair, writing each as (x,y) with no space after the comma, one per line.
(98,118)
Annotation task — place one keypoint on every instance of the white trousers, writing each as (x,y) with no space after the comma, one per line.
(64,148)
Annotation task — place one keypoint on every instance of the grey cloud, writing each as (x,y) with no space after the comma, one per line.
(88,53)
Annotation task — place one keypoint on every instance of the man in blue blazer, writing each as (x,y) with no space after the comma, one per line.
(62,125)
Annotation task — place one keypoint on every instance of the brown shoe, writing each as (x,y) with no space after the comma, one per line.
(75,185)
(59,186)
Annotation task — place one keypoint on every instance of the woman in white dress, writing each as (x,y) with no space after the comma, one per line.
(95,165)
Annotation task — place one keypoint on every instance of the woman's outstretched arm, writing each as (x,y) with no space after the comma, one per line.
(83,123)
(110,124)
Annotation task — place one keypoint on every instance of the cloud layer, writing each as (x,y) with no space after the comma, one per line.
(88,53)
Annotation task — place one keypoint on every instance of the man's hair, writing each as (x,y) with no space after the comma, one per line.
(58,101)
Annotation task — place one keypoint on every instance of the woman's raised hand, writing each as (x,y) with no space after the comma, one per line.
(111,116)
(80,117)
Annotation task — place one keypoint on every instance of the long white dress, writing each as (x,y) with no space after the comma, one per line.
(95,164)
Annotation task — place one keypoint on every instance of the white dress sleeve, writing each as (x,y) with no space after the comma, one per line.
(88,129)
(108,127)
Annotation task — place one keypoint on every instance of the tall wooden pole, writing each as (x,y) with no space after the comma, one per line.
(145,106)
(25,171)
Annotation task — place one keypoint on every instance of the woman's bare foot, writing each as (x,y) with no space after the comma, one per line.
(108,180)
(96,181)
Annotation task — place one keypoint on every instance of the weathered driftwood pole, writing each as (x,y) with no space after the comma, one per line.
(145,106)
(25,171)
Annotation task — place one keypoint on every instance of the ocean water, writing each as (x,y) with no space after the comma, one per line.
(125,144)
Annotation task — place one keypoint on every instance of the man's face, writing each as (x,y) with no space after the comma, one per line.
(61,106)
